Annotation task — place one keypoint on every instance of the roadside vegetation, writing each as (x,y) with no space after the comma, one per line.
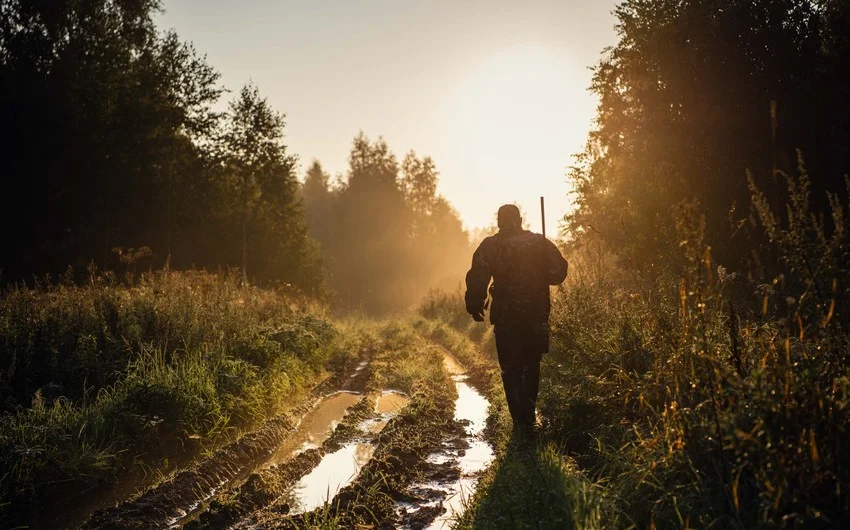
(399,360)
(698,374)
(109,376)
(703,400)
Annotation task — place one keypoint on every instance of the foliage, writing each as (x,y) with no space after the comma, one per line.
(698,411)
(98,375)
(448,307)
(260,195)
(110,140)
(692,95)
(101,125)
(713,390)
(707,398)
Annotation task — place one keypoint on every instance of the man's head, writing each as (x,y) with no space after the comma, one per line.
(508,217)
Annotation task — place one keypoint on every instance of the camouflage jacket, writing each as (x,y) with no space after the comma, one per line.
(522,266)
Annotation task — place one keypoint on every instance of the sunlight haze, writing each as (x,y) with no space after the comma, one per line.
(495,92)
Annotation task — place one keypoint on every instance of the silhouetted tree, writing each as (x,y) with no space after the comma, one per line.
(102,120)
(110,143)
(419,182)
(318,203)
(258,174)
(437,232)
(373,229)
(686,98)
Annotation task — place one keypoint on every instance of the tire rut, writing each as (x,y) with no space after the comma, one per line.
(421,463)
(167,503)
(427,459)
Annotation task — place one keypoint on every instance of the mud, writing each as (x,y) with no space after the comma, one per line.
(312,476)
(175,499)
(316,426)
(387,460)
(452,365)
(457,465)
(471,411)
(403,472)
(271,485)
(400,457)
(72,512)
(168,503)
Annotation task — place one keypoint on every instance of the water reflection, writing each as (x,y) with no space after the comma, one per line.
(470,410)
(316,426)
(452,365)
(334,472)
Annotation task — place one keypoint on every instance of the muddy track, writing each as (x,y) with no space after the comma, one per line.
(399,459)
(266,486)
(167,503)
(427,460)
(413,465)
(453,470)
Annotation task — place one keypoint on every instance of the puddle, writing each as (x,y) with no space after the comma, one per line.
(334,472)
(313,429)
(360,366)
(316,426)
(338,469)
(470,408)
(387,406)
(471,412)
(391,402)
(73,513)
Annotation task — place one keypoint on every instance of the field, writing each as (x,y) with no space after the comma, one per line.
(188,399)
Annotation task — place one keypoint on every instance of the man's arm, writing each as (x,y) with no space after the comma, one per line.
(554,264)
(477,281)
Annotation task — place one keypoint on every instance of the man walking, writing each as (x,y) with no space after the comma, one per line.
(522,266)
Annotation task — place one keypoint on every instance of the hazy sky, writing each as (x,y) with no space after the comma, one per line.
(495,92)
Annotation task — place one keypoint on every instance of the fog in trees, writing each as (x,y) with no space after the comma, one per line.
(693,96)
(386,235)
(115,154)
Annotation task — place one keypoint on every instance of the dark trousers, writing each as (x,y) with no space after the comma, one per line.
(520,350)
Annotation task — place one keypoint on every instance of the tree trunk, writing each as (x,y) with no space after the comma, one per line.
(245,246)
(245,231)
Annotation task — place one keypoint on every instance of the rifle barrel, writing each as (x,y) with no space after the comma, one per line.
(543,216)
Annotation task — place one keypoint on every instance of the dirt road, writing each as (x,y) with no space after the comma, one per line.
(398,442)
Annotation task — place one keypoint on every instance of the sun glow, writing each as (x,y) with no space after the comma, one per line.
(517,119)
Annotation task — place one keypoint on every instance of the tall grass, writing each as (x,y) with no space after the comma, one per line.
(702,408)
(712,398)
(96,377)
